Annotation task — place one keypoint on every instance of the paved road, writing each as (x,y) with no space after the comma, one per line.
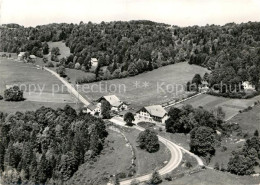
(175,150)
(70,88)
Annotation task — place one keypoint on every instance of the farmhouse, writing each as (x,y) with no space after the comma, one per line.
(153,113)
(93,109)
(115,103)
(248,86)
(21,55)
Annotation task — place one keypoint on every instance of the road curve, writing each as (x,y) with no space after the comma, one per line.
(70,88)
(176,156)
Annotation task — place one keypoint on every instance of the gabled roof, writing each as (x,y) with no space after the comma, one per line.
(94,60)
(21,54)
(92,106)
(113,100)
(156,110)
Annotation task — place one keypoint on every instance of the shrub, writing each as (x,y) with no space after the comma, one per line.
(1,97)
(156,178)
(77,66)
(168,177)
(188,164)
(13,94)
(216,166)
(49,64)
(61,71)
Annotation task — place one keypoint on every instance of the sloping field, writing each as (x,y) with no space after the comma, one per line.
(213,177)
(28,77)
(64,50)
(230,106)
(149,88)
(40,87)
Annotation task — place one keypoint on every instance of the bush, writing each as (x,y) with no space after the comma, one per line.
(188,164)
(61,71)
(156,178)
(168,177)
(49,64)
(1,97)
(13,94)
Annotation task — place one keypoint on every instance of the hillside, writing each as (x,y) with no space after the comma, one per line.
(130,48)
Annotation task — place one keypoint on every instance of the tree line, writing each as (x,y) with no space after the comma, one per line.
(129,48)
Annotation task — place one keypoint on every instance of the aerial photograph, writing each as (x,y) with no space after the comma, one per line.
(129,92)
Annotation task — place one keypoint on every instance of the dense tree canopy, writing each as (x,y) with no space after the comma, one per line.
(48,144)
(129,48)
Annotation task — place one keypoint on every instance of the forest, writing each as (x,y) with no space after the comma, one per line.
(47,146)
(231,51)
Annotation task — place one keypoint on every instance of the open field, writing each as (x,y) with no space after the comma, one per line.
(230,106)
(115,158)
(64,50)
(40,87)
(28,76)
(147,162)
(148,88)
(249,121)
(213,177)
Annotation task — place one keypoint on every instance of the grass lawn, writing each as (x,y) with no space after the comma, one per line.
(33,80)
(230,106)
(20,73)
(147,162)
(154,87)
(213,177)
(249,121)
(64,50)
(115,158)
(73,74)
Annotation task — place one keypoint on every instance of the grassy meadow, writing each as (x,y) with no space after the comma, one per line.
(230,106)
(29,78)
(153,87)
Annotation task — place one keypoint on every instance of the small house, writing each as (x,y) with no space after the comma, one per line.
(21,55)
(94,62)
(248,86)
(153,113)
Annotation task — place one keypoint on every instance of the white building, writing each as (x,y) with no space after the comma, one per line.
(94,62)
(153,113)
(115,103)
(93,109)
(248,86)
(21,55)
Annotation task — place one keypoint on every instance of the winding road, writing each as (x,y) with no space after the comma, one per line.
(175,150)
